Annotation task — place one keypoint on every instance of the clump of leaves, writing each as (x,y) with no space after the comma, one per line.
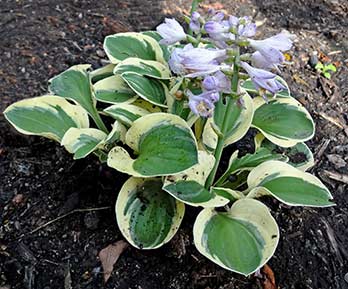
(325,69)
(176,101)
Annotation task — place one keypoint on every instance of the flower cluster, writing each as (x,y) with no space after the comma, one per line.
(223,31)
(194,62)
(213,52)
(212,85)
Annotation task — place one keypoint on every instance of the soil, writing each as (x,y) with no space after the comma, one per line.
(40,182)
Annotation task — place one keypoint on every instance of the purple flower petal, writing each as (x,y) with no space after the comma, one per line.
(233,20)
(215,27)
(171,32)
(217,82)
(263,78)
(175,62)
(281,42)
(195,25)
(257,60)
(248,30)
(196,61)
(202,104)
(218,16)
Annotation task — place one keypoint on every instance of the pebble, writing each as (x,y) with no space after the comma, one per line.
(100,53)
(337,161)
(313,60)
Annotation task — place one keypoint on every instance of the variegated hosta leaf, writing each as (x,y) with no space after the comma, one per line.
(188,186)
(284,121)
(83,141)
(238,125)
(249,161)
(48,116)
(288,184)
(121,46)
(118,133)
(250,88)
(241,240)
(147,216)
(125,113)
(113,89)
(300,156)
(149,68)
(74,84)
(164,145)
(152,90)
(227,193)
(150,107)
(102,72)
(157,37)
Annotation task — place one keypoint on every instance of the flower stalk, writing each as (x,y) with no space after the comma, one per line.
(221,138)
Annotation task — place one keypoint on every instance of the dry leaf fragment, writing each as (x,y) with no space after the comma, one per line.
(109,256)
(269,279)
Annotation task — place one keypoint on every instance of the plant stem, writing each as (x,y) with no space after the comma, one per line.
(194,5)
(227,116)
(99,122)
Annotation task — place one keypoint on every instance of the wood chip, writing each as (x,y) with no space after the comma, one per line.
(109,256)
(331,235)
(299,80)
(67,279)
(330,89)
(336,160)
(323,146)
(334,121)
(336,176)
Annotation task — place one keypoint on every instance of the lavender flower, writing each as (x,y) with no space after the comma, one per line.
(219,31)
(171,32)
(263,79)
(282,41)
(233,20)
(175,60)
(196,61)
(202,104)
(258,61)
(216,15)
(195,25)
(247,30)
(218,82)
(271,49)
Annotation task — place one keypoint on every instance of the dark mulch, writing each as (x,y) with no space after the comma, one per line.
(39,181)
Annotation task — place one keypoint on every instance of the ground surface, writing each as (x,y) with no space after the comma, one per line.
(39,181)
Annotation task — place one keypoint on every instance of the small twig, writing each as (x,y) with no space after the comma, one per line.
(207,276)
(51,262)
(322,149)
(64,216)
(335,52)
(76,45)
(334,121)
(331,235)
(336,176)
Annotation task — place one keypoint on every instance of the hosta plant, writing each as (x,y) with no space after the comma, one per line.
(163,110)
